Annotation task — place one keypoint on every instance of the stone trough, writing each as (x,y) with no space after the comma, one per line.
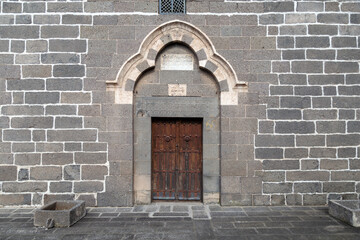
(346,210)
(59,214)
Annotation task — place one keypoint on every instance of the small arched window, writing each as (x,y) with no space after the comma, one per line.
(172,6)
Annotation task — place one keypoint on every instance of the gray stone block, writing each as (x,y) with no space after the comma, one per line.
(355,18)
(23,19)
(88,186)
(23,147)
(343,140)
(310,140)
(60,187)
(352,78)
(34,7)
(105,20)
(69,71)
(308,90)
(15,199)
(310,7)
(277,187)
(296,153)
(348,54)
(32,122)
(49,147)
(295,127)
(329,91)
(25,186)
(281,164)
(75,97)
(293,54)
(307,66)
(278,6)
(22,32)
(26,84)
(281,90)
(309,114)
(274,141)
(27,159)
(68,122)
(353,126)
(55,58)
(8,173)
(271,19)
(41,97)
(293,30)
(45,173)
(72,172)
(99,7)
(60,110)
(17,46)
(11,7)
(67,45)
(4,45)
(268,153)
(322,153)
(23,174)
(346,102)
(76,19)
(294,18)
(90,157)
(341,42)
(115,199)
(322,29)
(326,79)
(10,71)
(284,114)
(346,152)
(16,135)
(64,7)
(36,71)
(124,32)
(312,42)
(57,158)
(293,79)
(93,172)
(71,135)
(266,127)
(320,54)
(307,176)
(295,102)
(46,19)
(307,187)
(349,30)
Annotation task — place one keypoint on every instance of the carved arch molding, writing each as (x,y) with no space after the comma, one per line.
(195,39)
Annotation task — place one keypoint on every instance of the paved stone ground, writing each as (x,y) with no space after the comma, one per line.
(184,222)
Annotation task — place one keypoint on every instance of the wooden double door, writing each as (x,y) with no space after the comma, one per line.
(176,159)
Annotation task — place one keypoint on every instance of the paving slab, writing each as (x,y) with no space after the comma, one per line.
(192,222)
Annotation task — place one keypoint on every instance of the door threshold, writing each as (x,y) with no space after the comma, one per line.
(189,203)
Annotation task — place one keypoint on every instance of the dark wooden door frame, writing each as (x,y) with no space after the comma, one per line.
(176,159)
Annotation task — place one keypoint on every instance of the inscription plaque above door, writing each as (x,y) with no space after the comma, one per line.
(177,89)
(176,159)
(183,62)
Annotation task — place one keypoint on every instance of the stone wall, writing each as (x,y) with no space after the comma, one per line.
(292,139)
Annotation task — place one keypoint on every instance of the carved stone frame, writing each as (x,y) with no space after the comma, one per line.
(209,59)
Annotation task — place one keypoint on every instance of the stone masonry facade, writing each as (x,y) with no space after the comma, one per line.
(288,124)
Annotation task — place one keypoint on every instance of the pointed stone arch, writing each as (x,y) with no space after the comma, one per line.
(195,39)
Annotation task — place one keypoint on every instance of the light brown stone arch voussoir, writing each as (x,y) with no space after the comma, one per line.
(194,38)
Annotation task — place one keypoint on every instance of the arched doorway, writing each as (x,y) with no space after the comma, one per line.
(203,83)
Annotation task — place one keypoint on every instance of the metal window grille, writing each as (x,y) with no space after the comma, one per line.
(172,6)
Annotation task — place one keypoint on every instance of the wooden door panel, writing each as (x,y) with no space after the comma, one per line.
(177,159)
